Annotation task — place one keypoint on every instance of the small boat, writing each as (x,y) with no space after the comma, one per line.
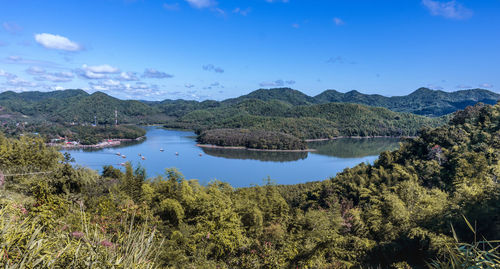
(118,153)
(177,153)
(140,154)
(122,164)
(161,150)
(123,156)
(144,158)
(201,154)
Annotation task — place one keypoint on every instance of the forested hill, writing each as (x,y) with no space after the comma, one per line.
(307,121)
(423,101)
(76,106)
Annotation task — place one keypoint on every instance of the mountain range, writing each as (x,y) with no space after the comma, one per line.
(80,106)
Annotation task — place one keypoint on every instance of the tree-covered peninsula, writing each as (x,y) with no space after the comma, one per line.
(435,203)
(265,140)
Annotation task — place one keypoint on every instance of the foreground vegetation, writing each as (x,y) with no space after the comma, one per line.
(407,209)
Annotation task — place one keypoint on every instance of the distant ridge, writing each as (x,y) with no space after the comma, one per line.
(72,104)
(423,101)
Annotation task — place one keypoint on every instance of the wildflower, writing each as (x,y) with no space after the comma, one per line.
(24,210)
(77,234)
(106,243)
(208,235)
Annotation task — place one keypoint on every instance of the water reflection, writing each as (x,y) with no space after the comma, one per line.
(355,148)
(265,156)
(340,148)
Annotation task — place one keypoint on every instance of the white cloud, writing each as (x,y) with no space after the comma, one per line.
(242,12)
(5,74)
(188,85)
(57,42)
(449,10)
(97,71)
(102,69)
(153,73)
(338,21)
(219,11)
(128,76)
(435,87)
(14,58)
(139,90)
(35,70)
(276,83)
(202,3)
(63,76)
(20,82)
(111,83)
(91,75)
(211,67)
(485,85)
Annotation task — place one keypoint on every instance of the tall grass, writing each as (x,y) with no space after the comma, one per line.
(478,254)
(25,243)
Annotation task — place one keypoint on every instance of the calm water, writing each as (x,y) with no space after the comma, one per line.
(240,168)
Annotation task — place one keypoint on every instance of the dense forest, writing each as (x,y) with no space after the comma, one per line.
(302,122)
(251,139)
(432,203)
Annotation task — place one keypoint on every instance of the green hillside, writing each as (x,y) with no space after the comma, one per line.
(423,101)
(77,106)
(307,122)
(433,203)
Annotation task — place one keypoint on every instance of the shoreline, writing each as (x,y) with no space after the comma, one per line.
(356,137)
(252,149)
(103,144)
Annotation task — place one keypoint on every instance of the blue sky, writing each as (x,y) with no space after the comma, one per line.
(216,49)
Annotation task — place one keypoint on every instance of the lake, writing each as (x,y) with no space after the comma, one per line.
(238,167)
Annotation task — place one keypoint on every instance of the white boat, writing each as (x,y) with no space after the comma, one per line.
(161,150)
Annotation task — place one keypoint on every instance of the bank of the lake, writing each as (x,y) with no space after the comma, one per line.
(253,149)
(108,143)
(239,167)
